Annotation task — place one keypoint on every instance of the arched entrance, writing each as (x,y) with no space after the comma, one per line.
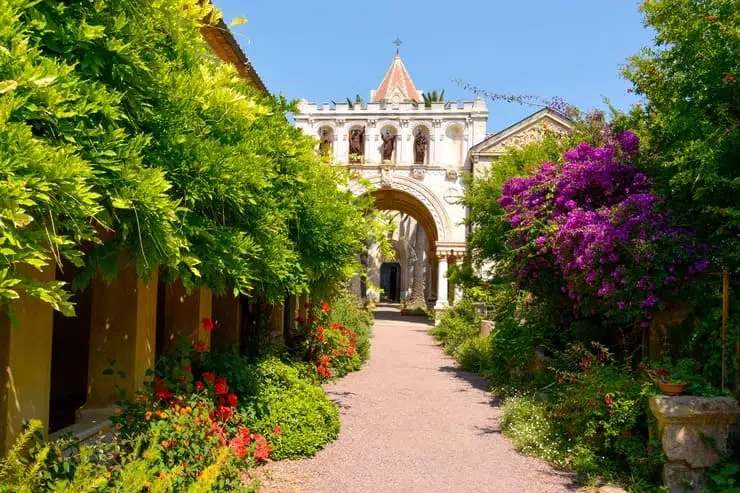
(412,275)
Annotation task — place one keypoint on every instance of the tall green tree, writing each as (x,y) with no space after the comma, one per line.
(690,117)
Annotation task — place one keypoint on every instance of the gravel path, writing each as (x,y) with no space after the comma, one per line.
(412,422)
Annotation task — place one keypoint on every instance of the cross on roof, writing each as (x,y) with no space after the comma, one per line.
(398,43)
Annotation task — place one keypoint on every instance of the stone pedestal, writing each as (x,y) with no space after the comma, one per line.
(486,327)
(25,361)
(277,316)
(694,434)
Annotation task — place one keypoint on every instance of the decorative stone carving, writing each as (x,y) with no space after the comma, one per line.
(437,123)
(386,177)
(452,174)
(452,195)
(689,424)
(418,173)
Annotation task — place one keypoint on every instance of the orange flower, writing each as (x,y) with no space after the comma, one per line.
(325,307)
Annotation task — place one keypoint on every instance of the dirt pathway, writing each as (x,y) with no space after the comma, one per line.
(414,423)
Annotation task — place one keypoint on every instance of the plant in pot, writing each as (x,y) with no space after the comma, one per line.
(668,381)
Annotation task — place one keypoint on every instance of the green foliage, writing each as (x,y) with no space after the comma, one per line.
(116,122)
(309,420)
(525,421)
(457,325)
(592,420)
(347,311)
(690,81)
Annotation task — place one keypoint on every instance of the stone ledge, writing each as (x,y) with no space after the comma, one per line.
(693,409)
(90,423)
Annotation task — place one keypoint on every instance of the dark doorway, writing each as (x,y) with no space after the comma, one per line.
(69,356)
(390,281)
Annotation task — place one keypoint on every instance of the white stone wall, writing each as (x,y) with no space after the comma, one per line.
(453,129)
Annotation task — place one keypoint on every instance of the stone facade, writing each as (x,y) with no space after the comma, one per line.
(427,189)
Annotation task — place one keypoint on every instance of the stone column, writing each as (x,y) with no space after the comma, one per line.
(25,361)
(227,315)
(442,286)
(184,312)
(123,331)
(277,314)
(695,431)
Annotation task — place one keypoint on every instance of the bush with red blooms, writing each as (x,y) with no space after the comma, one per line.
(331,345)
(182,386)
(189,432)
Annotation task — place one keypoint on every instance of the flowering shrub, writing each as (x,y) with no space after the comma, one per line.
(331,346)
(594,420)
(593,227)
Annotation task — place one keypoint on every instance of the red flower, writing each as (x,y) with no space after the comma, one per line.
(200,347)
(349,351)
(199,386)
(729,78)
(232,400)
(161,391)
(325,307)
(207,324)
(711,18)
(238,446)
(323,372)
(225,413)
(335,353)
(307,305)
(220,386)
(300,320)
(244,434)
(608,400)
(627,434)
(209,377)
(262,451)
(324,360)
(188,368)
(277,430)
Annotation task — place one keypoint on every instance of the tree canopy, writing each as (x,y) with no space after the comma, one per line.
(117,123)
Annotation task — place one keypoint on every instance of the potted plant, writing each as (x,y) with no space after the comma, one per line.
(669,382)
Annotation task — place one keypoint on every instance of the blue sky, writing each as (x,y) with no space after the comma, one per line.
(330,50)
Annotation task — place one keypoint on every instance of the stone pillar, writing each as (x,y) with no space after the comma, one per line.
(277,314)
(184,312)
(227,315)
(689,424)
(123,331)
(25,360)
(442,286)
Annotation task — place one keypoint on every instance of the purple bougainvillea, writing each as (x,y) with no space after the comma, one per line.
(595,225)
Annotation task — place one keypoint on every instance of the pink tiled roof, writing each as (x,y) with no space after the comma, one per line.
(399,79)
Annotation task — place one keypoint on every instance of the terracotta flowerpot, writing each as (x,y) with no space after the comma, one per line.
(672,388)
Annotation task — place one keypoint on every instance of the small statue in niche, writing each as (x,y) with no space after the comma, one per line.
(420,147)
(389,144)
(325,143)
(357,145)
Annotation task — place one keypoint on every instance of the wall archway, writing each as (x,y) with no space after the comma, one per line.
(416,200)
